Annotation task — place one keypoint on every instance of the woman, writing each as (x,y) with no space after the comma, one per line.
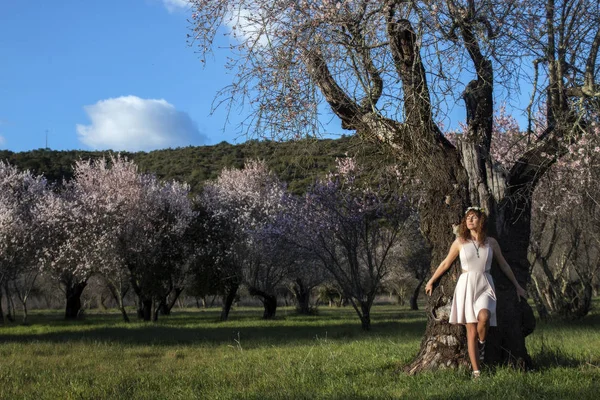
(474,302)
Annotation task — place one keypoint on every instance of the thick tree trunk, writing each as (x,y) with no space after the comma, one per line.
(73,294)
(176,294)
(228,299)
(163,308)
(269,302)
(145,309)
(302,295)
(515,317)
(270,306)
(2,321)
(443,345)
(415,295)
(100,300)
(365,317)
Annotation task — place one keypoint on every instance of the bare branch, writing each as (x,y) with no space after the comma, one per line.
(341,104)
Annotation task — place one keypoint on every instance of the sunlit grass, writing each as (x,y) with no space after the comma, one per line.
(190,355)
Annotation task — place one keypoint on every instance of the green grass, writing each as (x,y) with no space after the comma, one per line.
(192,356)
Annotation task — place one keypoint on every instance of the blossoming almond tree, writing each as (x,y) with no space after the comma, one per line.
(74,243)
(112,220)
(145,220)
(388,70)
(154,246)
(250,198)
(215,266)
(351,229)
(111,191)
(20,238)
(286,244)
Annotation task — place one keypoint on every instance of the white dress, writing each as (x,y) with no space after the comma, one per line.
(475,288)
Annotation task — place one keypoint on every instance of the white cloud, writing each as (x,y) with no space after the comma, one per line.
(176,5)
(133,124)
(2,140)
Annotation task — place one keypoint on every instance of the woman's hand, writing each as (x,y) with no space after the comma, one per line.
(429,288)
(521,293)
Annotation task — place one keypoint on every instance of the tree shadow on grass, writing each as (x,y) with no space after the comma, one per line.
(552,355)
(201,329)
(555,356)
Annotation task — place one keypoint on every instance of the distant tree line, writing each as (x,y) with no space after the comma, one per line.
(134,232)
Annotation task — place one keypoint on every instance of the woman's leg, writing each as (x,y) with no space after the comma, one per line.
(472,345)
(483,323)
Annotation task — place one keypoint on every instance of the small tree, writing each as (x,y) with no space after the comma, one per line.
(74,240)
(215,268)
(249,199)
(112,220)
(352,229)
(411,267)
(152,244)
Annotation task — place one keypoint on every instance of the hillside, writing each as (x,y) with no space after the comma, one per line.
(296,162)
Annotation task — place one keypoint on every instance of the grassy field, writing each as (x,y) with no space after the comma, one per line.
(191,356)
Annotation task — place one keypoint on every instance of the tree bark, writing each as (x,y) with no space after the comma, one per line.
(124,313)
(10,304)
(170,304)
(515,317)
(73,293)
(365,317)
(2,321)
(415,295)
(118,297)
(302,295)
(539,304)
(157,306)
(145,309)
(25,314)
(163,307)
(270,305)
(228,299)
(269,302)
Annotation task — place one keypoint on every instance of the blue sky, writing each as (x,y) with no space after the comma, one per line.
(113,74)
(97,74)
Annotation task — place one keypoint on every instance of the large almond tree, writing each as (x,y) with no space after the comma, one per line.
(389,70)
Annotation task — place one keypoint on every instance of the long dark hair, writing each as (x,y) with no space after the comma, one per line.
(465,234)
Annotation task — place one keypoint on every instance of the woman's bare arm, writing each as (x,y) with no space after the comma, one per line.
(444,265)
